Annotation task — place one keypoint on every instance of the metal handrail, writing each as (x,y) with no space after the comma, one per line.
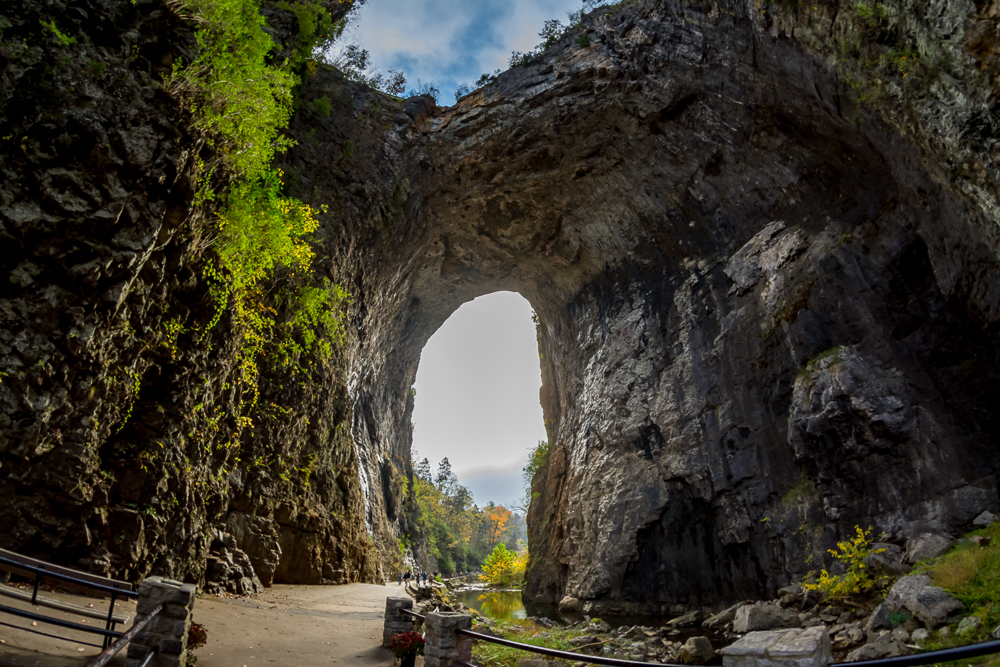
(124,639)
(58,621)
(566,655)
(104,588)
(928,658)
(941,655)
(551,652)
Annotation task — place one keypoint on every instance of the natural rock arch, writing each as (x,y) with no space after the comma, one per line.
(766,314)
(741,293)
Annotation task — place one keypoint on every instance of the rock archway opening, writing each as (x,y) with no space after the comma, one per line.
(476,397)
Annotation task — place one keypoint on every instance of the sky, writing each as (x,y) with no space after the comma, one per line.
(450,42)
(477,397)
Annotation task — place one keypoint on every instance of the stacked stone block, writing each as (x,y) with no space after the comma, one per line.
(169,630)
(443,646)
(396,622)
(780,648)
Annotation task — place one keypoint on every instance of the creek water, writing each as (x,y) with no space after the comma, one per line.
(499,605)
(507,606)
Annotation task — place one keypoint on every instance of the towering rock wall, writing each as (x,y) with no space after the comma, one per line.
(766,280)
(124,440)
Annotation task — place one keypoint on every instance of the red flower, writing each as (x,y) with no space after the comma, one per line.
(406,644)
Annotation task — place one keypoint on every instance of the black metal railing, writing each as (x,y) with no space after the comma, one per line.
(123,641)
(41,572)
(928,658)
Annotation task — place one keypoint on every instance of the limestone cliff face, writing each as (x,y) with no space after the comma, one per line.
(122,443)
(768,303)
(767,314)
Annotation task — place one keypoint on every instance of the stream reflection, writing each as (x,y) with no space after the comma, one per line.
(498,605)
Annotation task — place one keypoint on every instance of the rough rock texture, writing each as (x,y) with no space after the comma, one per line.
(763,616)
(122,434)
(767,303)
(915,594)
(766,316)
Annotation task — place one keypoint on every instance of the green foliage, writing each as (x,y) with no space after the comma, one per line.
(424,89)
(314,323)
(459,534)
(486,79)
(260,230)
(355,63)
(63,39)
(972,574)
(897,619)
(798,492)
(321,107)
(857,579)
(240,100)
(522,632)
(583,41)
(873,15)
(518,59)
(504,567)
(539,457)
(317,30)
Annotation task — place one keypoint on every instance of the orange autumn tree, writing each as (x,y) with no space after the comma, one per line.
(495,519)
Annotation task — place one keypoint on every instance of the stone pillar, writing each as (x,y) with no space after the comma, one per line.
(442,645)
(780,648)
(169,630)
(396,622)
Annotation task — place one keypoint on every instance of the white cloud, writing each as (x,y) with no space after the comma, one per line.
(449,42)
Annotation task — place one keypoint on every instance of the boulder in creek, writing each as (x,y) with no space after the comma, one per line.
(763,616)
(687,620)
(697,651)
(724,617)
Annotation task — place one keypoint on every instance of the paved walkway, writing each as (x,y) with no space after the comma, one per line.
(284,625)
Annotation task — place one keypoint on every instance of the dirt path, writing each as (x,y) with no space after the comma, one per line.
(285,625)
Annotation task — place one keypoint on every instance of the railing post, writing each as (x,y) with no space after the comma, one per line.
(396,621)
(780,648)
(443,646)
(169,630)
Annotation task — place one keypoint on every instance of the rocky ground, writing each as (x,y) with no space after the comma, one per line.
(914,615)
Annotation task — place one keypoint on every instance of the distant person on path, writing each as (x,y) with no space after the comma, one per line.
(425,578)
(407,577)
(400,577)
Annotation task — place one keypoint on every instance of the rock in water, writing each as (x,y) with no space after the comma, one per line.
(697,651)
(763,616)
(723,618)
(686,620)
